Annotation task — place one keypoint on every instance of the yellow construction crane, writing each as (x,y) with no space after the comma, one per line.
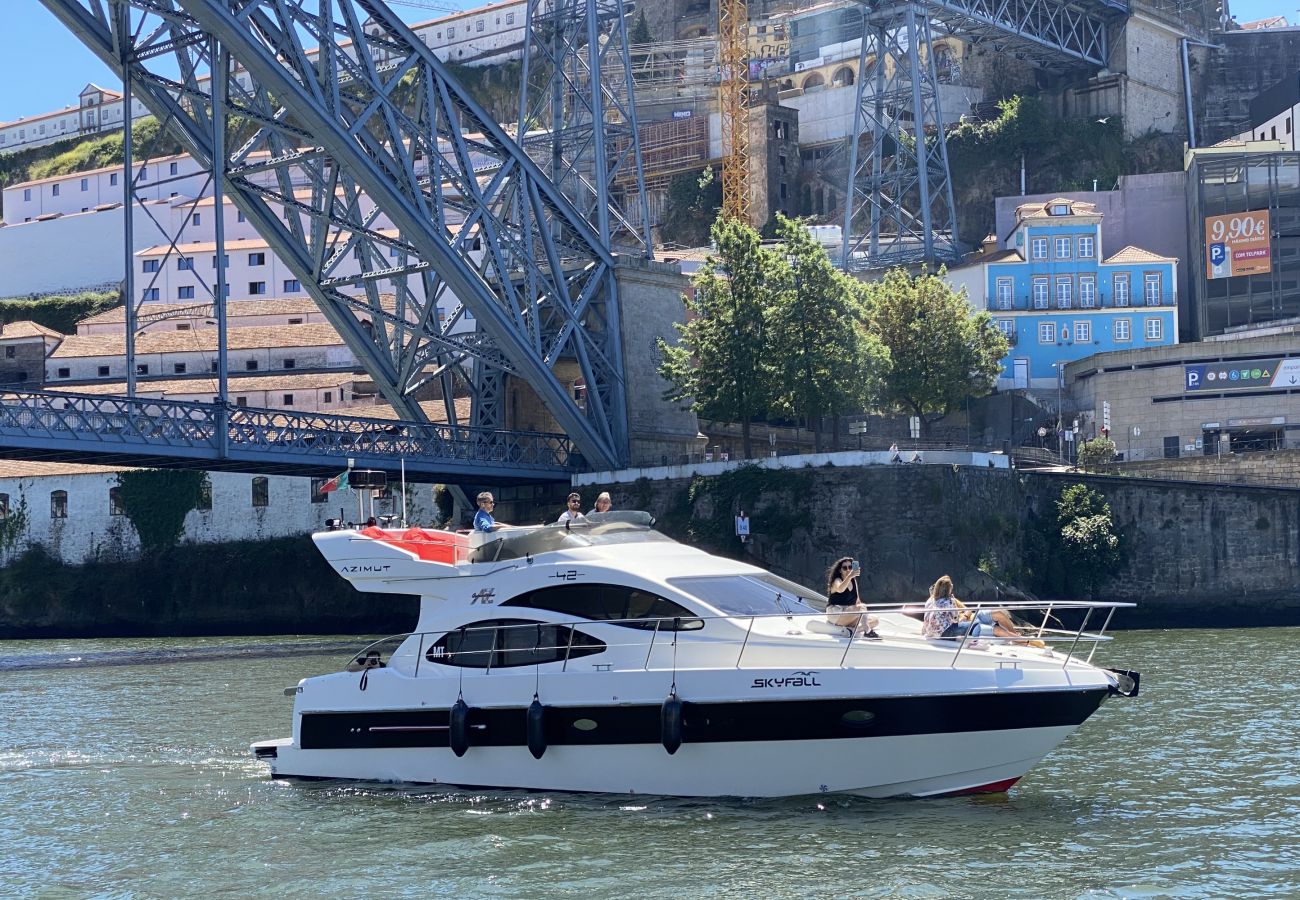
(733,106)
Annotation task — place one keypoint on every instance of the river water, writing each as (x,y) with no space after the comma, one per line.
(133,780)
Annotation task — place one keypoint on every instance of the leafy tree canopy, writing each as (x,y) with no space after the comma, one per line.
(721,365)
(940,350)
(825,358)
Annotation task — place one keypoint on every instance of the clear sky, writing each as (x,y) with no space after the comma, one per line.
(43,67)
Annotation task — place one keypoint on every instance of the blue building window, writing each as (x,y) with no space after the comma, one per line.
(1041,300)
(1121,287)
(1155,330)
(1047,332)
(1004,293)
(1063,247)
(1151,285)
(1064,292)
(1087,292)
(1085,248)
(1082,332)
(1038,248)
(1123,330)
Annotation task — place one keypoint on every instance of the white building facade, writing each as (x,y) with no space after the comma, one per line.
(73,511)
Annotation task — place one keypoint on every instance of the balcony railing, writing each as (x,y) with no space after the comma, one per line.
(1102,300)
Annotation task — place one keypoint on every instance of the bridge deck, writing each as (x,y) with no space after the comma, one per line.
(177,434)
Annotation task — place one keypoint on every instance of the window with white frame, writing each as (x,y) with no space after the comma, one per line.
(1123,330)
(1038,248)
(1064,292)
(1151,288)
(1087,291)
(1007,327)
(1120,287)
(1082,332)
(1085,247)
(1155,329)
(1063,247)
(1047,332)
(1041,289)
(1004,293)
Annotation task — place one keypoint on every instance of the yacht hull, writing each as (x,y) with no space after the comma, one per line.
(915,766)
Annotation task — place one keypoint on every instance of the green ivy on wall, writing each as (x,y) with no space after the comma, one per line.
(157,500)
(13,526)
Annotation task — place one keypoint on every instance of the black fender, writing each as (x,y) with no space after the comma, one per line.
(536,726)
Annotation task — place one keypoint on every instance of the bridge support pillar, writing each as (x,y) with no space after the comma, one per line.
(659,430)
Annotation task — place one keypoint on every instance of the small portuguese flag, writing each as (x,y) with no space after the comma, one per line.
(336,483)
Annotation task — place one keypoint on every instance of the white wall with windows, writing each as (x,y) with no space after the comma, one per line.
(164,178)
(69,511)
(72,252)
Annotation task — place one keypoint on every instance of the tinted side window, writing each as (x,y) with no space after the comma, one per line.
(502,643)
(606,602)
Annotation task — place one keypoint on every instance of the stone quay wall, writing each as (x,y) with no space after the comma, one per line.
(1193,554)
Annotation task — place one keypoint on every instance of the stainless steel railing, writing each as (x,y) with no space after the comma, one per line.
(664,633)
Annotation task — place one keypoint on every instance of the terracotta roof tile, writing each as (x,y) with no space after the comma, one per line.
(206,384)
(80,346)
(23,468)
(980,259)
(28,329)
(235,308)
(1131,254)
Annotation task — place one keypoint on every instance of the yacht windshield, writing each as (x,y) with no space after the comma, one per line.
(751,595)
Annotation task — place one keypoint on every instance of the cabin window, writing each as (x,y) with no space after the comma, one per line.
(506,643)
(261,491)
(611,602)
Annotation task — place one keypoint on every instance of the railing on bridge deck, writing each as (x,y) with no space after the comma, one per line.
(121,426)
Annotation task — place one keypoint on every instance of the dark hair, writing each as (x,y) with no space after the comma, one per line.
(835,570)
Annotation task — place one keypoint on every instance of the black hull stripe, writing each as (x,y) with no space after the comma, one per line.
(785,720)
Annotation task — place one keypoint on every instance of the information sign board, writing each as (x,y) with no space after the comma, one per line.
(1271,374)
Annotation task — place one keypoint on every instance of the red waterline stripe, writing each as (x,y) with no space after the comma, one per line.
(994,787)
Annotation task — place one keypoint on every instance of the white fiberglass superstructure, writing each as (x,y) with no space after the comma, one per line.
(606,657)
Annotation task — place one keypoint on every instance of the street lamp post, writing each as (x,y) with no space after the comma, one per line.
(1060,410)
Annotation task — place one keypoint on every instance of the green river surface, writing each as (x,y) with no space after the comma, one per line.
(134,780)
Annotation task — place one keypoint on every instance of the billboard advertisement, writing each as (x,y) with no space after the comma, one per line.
(1237,244)
(1275,374)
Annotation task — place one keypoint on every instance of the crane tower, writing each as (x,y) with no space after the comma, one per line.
(733,107)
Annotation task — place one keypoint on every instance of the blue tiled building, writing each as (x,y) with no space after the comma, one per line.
(1058,298)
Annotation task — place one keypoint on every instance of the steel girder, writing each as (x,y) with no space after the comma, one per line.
(899,199)
(1049,33)
(902,192)
(328,146)
(577,114)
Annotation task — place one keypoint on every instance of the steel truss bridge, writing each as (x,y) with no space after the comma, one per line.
(899,206)
(176,434)
(345,141)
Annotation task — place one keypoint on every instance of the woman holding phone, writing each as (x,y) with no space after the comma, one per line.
(844,606)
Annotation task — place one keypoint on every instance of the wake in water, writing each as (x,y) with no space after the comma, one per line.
(162,656)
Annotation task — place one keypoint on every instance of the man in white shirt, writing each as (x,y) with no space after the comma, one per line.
(573,509)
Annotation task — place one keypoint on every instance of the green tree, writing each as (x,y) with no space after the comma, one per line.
(692,205)
(1096,454)
(826,360)
(1088,541)
(940,350)
(719,367)
(641,31)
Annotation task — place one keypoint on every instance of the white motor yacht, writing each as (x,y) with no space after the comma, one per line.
(604,656)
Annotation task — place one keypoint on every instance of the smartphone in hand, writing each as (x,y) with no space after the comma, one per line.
(856,568)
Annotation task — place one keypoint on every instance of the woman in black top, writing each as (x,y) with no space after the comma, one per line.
(844,606)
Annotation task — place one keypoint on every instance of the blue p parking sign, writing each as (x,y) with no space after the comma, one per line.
(1218,254)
